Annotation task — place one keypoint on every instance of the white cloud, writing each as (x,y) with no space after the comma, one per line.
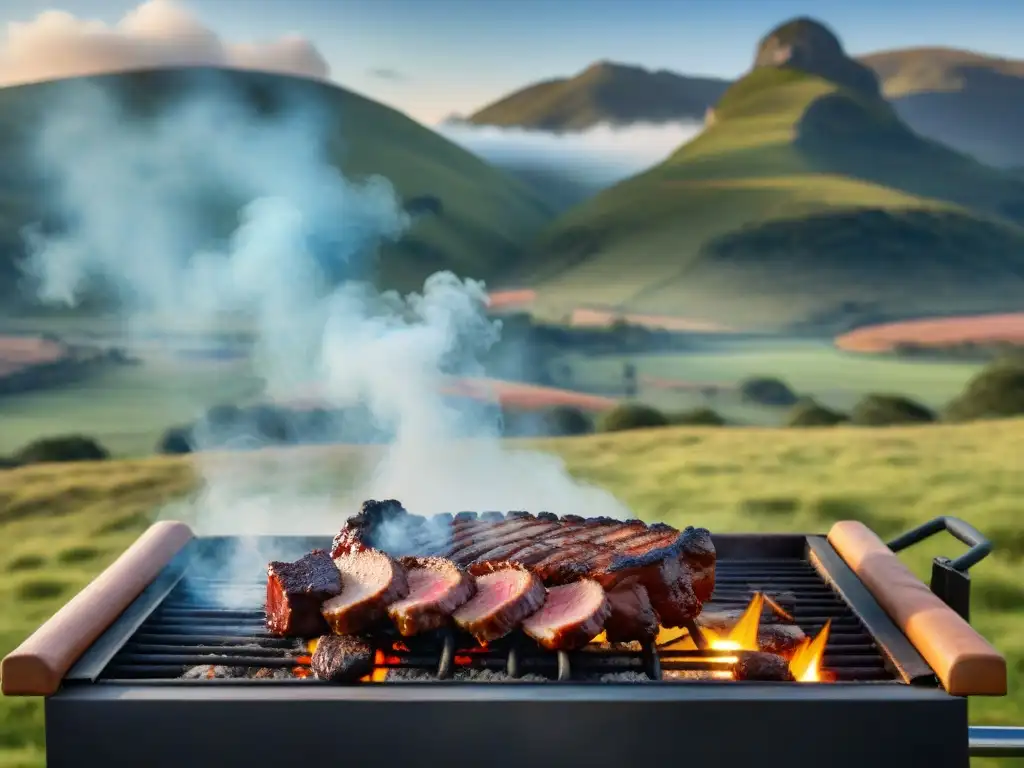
(601,156)
(157,33)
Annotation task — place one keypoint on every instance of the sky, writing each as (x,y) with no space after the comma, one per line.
(435,58)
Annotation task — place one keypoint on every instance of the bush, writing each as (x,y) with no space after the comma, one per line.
(567,420)
(888,410)
(631,416)
(810,413)
(765,390)
(8,462)
(698,417)
(176,440)
(997,391)
(63,448)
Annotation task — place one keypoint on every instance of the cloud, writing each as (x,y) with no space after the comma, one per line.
(157,33)
(385,73)
(600,156)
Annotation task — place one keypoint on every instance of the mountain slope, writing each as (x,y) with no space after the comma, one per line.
(973,103)
(605,92)
(479,218)
(804,201)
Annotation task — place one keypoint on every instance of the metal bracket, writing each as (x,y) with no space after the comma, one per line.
(951,581)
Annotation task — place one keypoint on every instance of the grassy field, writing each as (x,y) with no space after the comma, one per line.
(812,367)
(62,524)
(785,146)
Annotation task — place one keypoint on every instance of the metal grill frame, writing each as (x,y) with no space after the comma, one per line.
(909,720)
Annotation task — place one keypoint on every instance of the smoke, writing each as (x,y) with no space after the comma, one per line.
(157,33)
(598,157)
(125,189)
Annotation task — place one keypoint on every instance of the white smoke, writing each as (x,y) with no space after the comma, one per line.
(600,156)
(124,188)
(157,33)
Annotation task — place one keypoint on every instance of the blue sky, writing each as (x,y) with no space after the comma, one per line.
(435,57)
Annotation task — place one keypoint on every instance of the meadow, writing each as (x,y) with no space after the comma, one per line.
(61,524)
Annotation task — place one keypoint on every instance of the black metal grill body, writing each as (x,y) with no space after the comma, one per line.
(125,704)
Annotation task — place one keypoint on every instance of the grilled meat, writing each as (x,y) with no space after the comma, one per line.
(295,592)
(340,659)
(632,616)
(371,581)
(437,587)
(503,599)
(766,667)
(572,616)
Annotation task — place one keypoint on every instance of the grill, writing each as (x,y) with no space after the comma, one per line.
(132,689)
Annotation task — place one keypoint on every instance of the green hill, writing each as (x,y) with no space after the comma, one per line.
(477,221)
(972,102)
(804,201)
(605,92)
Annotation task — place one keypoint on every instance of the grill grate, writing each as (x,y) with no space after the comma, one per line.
(190,627)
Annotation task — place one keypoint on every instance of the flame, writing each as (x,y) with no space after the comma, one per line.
(806,663)
(312,644)
(380,672)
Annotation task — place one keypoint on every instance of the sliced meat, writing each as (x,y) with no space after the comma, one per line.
(503,599)
(572,616)
(295,592)
(632,615)
(341,659)
(371,581)
(437,587)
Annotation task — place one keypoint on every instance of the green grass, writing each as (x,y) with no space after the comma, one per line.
(126,408)
(488,217)
(788,145)
(728,480)
(811,367)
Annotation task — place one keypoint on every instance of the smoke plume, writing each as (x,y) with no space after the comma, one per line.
(157,33)
(125,192)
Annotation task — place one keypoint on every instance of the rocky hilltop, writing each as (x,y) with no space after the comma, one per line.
(810,46)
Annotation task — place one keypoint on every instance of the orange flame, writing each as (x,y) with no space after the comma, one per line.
(380,672)
(806,663)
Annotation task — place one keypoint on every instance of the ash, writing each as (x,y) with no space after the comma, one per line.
(217,672)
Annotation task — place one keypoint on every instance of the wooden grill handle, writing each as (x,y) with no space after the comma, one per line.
(964,661)
(37,666)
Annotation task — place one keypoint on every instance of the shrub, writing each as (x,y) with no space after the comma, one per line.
(223,415)
(176,440)
(810,413)
(270,424)
(698,417)
(997,391)
(8,462)
(41,589)
(62,448)
(631,416)
(28,562)
(765,390)
(567,420)
(77,554)
(888,410)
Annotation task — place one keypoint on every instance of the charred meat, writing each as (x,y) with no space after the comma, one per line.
(371,581)
(295,592)
(632,617)
(572,616)
(437,587)
(341,659)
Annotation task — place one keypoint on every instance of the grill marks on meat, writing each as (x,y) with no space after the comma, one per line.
(295,592)
(371,581)
(341,659)
(504,598)
(437,587)
(572,616)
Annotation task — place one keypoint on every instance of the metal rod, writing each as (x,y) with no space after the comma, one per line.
(990,741)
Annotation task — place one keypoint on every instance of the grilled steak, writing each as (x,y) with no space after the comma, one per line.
(572,616)
(295,592)
(436,588)
(632,616)
(371,581)
(503,599)
(676,568)
(340,659)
